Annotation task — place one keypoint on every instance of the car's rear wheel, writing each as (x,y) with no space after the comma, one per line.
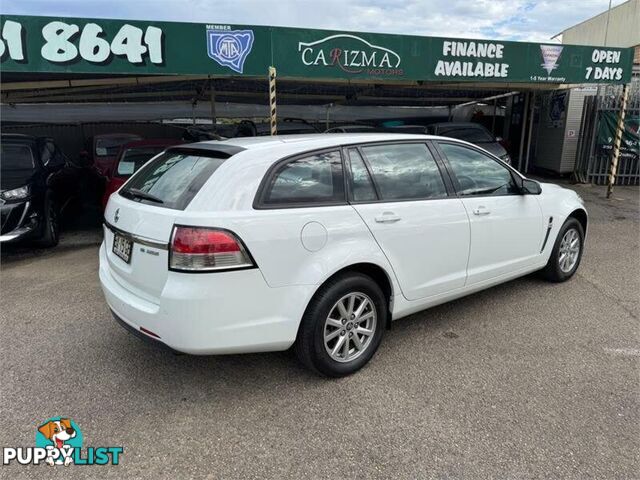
(567,252)
(51,226)
(342,326)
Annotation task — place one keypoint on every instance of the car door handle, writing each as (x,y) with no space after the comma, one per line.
(481,210)
(387,217)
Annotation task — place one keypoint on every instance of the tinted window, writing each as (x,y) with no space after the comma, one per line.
(468,134)
(313,179)
(361,185)
(477,173)
(174,177)
(134,158)
(405,171)
(16,157)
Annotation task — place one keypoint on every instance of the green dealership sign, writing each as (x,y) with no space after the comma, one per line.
(74,45)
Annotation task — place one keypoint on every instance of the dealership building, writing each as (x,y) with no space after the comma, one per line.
(591,113)
(72,78)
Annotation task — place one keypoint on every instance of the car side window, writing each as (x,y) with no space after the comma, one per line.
(361,184)
(477,173)
(317,178)
(405,171)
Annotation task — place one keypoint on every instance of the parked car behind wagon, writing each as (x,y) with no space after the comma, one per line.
(131,157)
(103,150)
(34,188)
(472,133)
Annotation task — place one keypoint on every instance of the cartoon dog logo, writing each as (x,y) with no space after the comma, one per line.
(59,432)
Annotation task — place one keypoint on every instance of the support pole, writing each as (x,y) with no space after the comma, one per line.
(523,130)
(212,99)
(618,140)
(532,115)
(493,121)
(272,101)
(326,125)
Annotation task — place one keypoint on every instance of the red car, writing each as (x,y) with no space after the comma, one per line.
(131,157)
(104,150)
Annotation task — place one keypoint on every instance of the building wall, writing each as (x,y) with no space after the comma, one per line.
(624,28)
(557,142)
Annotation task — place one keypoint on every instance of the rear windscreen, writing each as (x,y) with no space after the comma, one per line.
(172,179)
(134,158)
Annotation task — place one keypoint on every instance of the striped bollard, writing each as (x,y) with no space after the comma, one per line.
(618,140)
(272,101)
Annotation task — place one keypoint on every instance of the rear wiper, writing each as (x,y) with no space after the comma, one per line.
(137,193)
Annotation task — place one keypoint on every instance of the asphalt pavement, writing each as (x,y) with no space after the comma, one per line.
(525,380)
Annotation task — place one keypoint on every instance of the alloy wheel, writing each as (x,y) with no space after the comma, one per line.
(350,327)
(569,250)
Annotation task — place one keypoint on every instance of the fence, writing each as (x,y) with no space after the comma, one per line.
(593,158)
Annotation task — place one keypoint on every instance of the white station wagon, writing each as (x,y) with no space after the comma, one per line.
(320,241)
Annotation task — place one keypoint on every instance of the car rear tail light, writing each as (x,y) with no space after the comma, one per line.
(202,249)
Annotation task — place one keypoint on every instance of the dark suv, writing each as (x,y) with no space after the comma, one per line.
(32,190)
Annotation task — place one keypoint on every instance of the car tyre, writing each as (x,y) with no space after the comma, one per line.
(51,226)
(325,329)
(567,252)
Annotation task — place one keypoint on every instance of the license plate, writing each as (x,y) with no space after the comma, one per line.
(122,247)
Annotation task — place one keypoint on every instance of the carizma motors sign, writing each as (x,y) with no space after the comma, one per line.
(79,46)
(351,54)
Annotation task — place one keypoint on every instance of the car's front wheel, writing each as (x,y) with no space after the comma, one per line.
(342,326)
(567,252)
(50,225)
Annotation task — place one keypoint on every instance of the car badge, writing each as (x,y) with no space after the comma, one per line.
(116,216)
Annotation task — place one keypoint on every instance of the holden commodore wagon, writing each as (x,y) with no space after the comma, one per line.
(320,241)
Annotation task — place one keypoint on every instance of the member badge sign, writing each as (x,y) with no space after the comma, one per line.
(229,48)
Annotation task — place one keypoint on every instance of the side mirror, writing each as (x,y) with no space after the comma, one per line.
(530,187)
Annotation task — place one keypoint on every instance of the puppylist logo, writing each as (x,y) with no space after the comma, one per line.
(59,442)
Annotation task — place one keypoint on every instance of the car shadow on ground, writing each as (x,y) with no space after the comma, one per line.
(279,369)
(83,230)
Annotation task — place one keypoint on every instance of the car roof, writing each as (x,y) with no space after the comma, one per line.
(274,148)
(121,134)
(355,126)
(18,136)
(308,142)
(159,142)
(457,124)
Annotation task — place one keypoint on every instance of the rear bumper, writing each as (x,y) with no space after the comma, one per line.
(211,313)
(142,336)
